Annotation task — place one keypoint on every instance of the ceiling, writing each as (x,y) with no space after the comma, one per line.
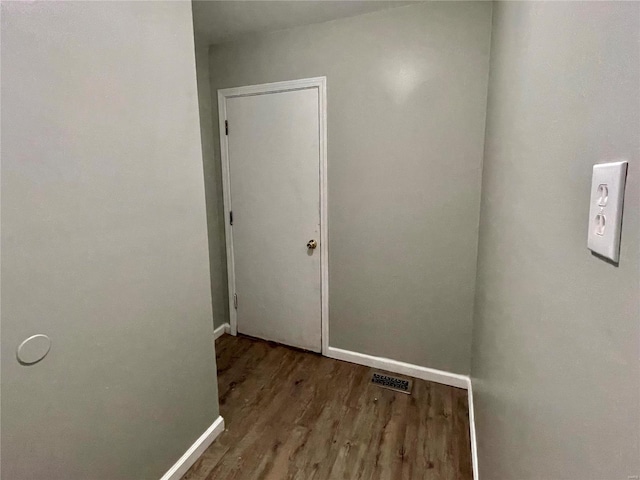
(220,21)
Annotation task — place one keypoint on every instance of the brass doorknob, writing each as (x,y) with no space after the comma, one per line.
(312,244)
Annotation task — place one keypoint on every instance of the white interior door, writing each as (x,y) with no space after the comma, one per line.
(273,148)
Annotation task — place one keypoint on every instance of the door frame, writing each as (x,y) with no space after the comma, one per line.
(319,83)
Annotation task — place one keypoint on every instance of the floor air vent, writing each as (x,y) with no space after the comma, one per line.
(392,383)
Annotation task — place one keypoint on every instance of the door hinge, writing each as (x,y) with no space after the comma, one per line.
(235,301)
(226,127)
(230,218)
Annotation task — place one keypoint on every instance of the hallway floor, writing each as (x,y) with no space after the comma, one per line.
(290,414)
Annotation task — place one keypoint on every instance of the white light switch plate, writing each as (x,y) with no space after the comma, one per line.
(605,212)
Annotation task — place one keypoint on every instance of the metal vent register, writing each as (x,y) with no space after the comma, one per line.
(402,385)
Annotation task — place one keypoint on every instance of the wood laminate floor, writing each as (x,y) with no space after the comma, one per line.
(296,415)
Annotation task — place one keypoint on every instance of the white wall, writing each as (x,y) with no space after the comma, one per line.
(104,242)
(406,108)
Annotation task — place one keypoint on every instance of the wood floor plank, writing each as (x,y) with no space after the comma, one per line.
(461,435)
(294,415)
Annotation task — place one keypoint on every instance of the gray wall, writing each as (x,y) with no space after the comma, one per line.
(104,242)
(406,109)
(556,339)
(213,172)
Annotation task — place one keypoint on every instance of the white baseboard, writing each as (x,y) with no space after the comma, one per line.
(193,453)
(472,433)
(222,329)
(430,374)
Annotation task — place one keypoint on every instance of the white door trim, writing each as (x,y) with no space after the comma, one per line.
(307,83)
